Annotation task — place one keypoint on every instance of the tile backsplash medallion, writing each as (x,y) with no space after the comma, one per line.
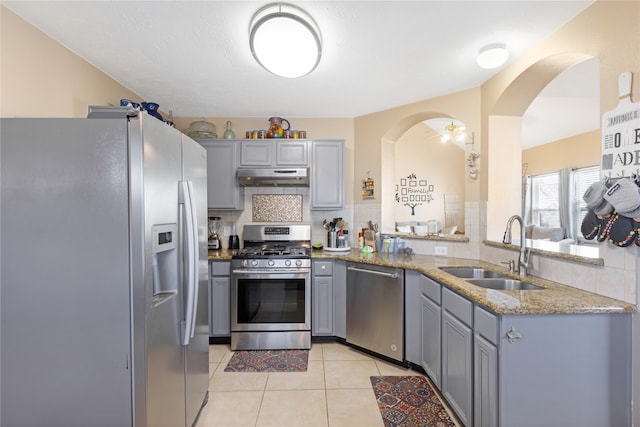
(277,207)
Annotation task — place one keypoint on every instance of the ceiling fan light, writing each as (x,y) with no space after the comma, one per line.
(492,56)
(285,40)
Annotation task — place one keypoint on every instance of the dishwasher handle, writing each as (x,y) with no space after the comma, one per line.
(378,273)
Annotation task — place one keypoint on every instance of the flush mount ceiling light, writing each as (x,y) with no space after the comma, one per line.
(285,40)
(493,55)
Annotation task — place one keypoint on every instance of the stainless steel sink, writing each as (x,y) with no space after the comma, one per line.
(504,284)
(471,273)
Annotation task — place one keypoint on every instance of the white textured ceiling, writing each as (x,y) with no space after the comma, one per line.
(193,56)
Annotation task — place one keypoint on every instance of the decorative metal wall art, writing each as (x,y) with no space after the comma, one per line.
(412,192)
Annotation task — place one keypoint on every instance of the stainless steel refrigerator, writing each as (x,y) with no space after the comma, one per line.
(103,280)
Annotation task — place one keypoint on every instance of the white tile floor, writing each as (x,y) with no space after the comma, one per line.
(335,391)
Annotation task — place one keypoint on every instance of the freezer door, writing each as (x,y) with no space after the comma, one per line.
(194,168)
(158,301)
(65,296)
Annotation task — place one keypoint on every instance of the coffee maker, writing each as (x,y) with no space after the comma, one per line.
(215,229)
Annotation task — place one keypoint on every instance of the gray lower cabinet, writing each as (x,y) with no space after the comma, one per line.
(457,354)
(564,370)
(423,323)
(329,298)
(340,298)
(519,370)
(327,174)
(223,190)
(322,298)
(485,368)
(430,324)
(219,298)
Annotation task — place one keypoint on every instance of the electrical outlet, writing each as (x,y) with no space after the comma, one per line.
(440,250)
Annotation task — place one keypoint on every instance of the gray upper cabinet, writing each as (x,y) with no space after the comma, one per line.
(256,153)
(223,190)
(327,174)
(292,153)
(274,152)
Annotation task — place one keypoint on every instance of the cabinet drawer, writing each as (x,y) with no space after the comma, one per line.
(219,268)
(486,324)
(459,306)
(430,288)
(323,268)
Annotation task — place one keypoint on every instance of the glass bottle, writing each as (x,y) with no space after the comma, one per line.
(228,134)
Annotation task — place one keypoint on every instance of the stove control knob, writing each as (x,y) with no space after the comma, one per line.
(271,263)
(245,263)
(287,262)
(254,262)
(298,263)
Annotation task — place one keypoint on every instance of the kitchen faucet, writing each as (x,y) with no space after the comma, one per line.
(523,261)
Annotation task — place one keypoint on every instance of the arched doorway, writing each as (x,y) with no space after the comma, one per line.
(504,138)
(395,161)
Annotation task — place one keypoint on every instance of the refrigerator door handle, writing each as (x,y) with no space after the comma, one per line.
(191,262)
(195,258)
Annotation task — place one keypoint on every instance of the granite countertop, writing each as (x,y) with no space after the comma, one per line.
(221,255)
(555,298)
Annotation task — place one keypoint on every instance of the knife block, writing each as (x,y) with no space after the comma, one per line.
(370,240)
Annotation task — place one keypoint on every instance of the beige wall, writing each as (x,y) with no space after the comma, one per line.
(420,151)
(575,152)
(376,133)
(41,78)
(316,129)
(604,30)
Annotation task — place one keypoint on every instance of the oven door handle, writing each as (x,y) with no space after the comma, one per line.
(266,271)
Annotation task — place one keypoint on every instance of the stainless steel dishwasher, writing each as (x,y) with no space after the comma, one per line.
(375,309)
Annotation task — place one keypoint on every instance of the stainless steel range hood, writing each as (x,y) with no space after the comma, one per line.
(273,177)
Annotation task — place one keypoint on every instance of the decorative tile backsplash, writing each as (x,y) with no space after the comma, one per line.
(277,207)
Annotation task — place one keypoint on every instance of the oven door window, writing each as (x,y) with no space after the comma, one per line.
(271,300)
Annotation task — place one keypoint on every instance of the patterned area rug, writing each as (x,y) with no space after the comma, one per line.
(268,361)
(409,402)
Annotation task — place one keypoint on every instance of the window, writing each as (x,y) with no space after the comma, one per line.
(582,179)
(546,207)
(545,201)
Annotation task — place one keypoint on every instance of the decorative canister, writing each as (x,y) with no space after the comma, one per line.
(228,133)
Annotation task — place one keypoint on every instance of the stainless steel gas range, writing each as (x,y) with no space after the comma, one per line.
(271,288)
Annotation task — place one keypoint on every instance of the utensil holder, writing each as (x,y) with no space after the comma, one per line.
(332,239)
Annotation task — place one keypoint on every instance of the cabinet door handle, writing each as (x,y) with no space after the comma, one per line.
(513,335)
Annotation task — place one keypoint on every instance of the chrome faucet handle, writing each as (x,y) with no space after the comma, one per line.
(524,264)
(511,263)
